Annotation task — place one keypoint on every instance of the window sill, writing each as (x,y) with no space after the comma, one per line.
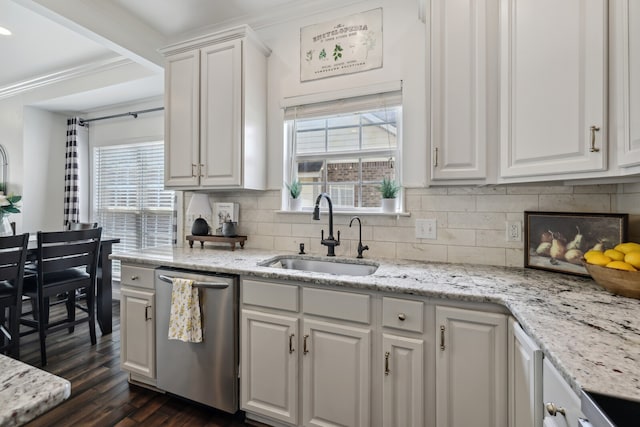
(348,213)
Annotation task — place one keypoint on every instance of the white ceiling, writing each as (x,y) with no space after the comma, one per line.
(50,36)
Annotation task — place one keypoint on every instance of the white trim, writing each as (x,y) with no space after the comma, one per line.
(59,76)
(336,95)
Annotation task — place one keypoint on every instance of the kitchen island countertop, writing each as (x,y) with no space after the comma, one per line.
(27,392)
(590,335)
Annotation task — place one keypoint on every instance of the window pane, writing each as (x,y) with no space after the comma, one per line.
(374,169)
(371,196)
(334,153)
(129,197)
(310,142)
(379,136)
(343,139)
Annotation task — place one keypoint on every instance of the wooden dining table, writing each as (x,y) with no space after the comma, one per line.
(104,289)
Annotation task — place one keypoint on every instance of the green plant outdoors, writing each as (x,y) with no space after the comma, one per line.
(294,189)
(389,188)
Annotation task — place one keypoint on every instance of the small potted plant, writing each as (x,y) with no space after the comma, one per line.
(389,191)
(295,202)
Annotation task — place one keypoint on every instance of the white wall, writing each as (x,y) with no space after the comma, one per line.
(23,127)
(44,141)
(403,59)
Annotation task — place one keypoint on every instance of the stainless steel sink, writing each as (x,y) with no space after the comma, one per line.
(323,265)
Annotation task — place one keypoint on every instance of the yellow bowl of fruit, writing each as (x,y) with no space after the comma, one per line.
(617,270)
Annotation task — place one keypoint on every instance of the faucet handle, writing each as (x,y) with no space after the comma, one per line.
(338,236)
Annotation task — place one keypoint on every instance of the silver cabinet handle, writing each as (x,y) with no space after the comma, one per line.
(402,317)
(134,277)
(442,337)
(305,350)
(146,313)
(386,363)
(201,168)
(435,157)
(193,170)
(554,410)
(593,130)
(208,285)
(291,349)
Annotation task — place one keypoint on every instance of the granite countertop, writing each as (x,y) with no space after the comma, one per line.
(590,335)
(26,392)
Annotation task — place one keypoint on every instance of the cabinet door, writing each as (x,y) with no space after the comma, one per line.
(525,379)
(137,332)
(402,381)
(627,78)
(558,394)
(182,120)
(221,114)
(471,368)
(553,87)
(336,375)
(462,32)
(269,365)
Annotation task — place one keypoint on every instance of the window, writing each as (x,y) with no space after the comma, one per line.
(129,197)
(345,148)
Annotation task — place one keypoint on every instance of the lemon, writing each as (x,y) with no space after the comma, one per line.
(591,253)
(599,259)
(627,247)
(621,265)
(633,258)
(614,255)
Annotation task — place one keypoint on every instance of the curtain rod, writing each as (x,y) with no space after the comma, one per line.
(81,122)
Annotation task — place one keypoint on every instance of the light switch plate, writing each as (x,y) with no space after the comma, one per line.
(426,229)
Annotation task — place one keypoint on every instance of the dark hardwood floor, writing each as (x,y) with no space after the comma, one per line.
(100,393)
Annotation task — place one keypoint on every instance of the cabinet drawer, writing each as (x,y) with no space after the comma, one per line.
(407,315)
(336,304)
(141,277)
(271,295)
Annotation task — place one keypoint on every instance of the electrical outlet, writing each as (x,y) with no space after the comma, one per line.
(514,231)
(426,229)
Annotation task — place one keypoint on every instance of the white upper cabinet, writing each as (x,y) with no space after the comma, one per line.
(626,77)
(463,87)
(215,112)
(553,89)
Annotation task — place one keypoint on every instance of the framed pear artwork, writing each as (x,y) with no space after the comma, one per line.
(557,241)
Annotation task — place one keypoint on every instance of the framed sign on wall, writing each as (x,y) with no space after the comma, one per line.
(342,46)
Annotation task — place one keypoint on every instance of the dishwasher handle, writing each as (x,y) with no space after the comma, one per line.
(208,285)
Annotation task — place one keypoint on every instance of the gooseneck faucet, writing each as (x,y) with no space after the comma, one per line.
(330,242)
(360,247)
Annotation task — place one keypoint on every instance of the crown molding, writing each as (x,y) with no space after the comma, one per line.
(60,76)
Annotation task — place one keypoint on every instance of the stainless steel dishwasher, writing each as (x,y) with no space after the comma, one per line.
(205,372)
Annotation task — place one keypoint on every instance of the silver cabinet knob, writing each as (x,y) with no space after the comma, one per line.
(402,317)
(134,277)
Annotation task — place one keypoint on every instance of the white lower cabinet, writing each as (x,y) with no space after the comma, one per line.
(403,397)
(562,405)
(336,374)
(137,326)
(471,368)
(525,379)
(317,356)
(269,363)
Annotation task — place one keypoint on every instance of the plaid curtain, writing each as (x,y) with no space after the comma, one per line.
(71,200)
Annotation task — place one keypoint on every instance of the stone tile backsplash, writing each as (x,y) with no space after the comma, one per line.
(471,221)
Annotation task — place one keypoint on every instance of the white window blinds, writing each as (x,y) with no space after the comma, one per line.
(129,197)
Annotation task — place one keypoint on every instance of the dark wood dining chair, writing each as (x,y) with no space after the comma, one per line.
(66,261)
(13,254)
(81,225)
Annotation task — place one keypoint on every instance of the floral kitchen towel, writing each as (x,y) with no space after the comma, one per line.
(185,323)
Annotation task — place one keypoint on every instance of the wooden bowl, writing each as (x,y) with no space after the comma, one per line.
(625,283)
